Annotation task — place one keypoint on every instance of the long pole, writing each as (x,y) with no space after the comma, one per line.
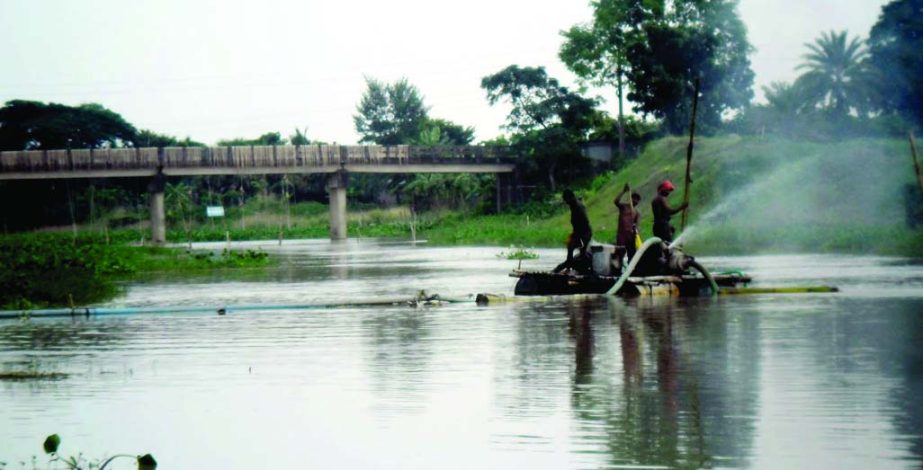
(916,162)
(695,107)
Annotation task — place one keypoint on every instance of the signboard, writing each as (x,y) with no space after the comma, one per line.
(214,211)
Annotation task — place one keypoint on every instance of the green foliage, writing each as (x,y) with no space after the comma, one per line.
(444,132)
(56,269)
(836,77)
(300,137)
(459,191)
(831,100)
(895,43)
(269,138)
(53,442)
(517,253)
(777,196)
(549,122)
(149,138)
(660,47)
(693,39)
(26,125)
(390,114)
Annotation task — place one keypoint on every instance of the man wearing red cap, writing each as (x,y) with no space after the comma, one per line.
(662,212)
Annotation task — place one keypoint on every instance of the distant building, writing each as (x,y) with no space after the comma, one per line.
(600,151)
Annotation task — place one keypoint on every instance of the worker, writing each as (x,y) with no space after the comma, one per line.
(629,221)
(580,236)
(662,211)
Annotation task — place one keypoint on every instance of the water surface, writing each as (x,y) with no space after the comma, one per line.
(768,381)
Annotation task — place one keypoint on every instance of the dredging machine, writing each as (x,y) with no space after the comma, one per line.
(656,269)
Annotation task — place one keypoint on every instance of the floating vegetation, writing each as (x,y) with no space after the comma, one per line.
(53,442)
(517,253)
(59,270)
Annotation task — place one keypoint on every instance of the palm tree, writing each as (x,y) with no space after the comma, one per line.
(836,75)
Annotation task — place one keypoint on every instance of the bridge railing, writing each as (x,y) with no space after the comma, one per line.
(255,156)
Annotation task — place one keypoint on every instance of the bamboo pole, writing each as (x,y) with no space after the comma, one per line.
(916,162)
(695,107)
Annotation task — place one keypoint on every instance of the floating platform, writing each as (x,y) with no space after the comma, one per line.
(549,284)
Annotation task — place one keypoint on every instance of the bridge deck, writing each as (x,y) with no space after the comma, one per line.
(134,162)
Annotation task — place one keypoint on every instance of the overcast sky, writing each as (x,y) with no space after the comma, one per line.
(222,69)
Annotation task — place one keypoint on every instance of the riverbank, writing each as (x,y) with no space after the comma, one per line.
(750,195)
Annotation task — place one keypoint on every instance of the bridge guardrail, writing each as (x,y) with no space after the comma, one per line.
(256,156)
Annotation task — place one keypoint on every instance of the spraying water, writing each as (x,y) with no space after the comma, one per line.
(724,209)
(836,192)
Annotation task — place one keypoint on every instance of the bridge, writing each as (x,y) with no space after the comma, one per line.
(335,160)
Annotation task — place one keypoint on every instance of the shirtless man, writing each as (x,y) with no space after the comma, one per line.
(581,232)
(629,219)
(662,212)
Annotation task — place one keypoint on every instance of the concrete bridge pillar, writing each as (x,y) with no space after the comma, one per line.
(336,189)
(158,219)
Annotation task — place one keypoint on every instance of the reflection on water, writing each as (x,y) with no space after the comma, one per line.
(814,381)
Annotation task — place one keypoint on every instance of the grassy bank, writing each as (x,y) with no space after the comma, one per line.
(57,269)
(750,195)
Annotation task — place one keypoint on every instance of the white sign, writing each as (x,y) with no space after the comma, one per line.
(214,211)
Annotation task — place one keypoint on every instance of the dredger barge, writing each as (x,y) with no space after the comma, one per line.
(657,269)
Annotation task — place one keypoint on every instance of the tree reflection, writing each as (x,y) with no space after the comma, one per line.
(643,397)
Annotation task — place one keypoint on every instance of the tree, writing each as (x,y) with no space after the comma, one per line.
(598,52)
(550,121)
(300,137)
(149,138)
(658,48)
(444,132)
(679,41)
(269,138)
(27,125)
(390,114)
(434,188)
(836,78)
(539,101)
(894,44)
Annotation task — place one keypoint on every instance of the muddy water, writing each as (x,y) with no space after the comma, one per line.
(810,381)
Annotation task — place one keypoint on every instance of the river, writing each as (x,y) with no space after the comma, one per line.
(763,381)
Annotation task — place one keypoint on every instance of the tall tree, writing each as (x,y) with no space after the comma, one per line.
(36,125)
(549,120)
(895,43)
(835,75)
(679,41)
(598,52)
(390,114)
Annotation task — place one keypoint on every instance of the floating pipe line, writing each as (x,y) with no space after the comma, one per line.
(418,301)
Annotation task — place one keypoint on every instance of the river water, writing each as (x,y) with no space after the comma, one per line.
(764,381)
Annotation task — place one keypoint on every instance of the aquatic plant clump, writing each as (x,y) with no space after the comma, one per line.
(518,253)
(53,442)
(59,270)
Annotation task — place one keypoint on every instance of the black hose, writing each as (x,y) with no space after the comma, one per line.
(711,281)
